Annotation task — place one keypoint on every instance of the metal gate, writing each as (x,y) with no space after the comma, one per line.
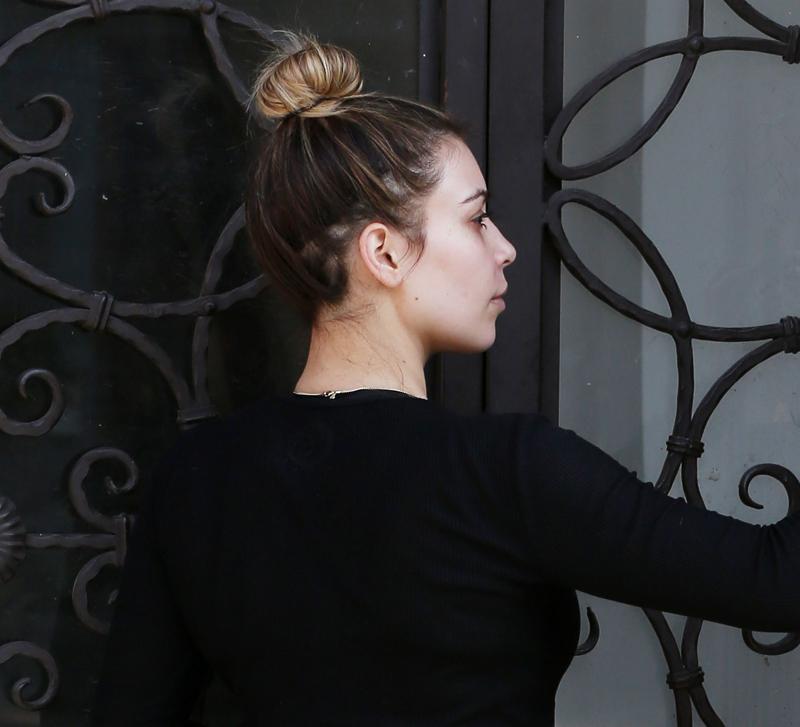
(132,144)
(684,446)
(132,148)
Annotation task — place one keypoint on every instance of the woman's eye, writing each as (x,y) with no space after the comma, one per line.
(480,218)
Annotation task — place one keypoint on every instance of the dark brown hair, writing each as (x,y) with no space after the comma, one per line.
(335,160)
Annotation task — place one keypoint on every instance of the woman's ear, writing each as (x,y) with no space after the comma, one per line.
(382,249)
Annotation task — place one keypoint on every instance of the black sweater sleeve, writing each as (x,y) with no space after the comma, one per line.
(152,674)
(592,525)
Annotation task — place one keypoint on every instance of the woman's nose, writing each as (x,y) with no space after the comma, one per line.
(508,251)
(512,253)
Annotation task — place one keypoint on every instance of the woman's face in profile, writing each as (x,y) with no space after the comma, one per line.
(448,295)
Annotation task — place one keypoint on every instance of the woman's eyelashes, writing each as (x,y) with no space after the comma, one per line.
(480,218)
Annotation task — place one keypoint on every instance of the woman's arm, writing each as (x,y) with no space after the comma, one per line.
(152,673)
(595,527)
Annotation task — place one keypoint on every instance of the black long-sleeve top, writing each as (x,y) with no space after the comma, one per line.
(377,560)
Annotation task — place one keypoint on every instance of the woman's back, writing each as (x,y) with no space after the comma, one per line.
(374,559)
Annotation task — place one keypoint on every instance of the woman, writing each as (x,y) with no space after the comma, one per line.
(352,553)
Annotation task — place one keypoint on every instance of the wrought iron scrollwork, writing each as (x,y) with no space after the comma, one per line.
(112,541)
(685,444)
(112,538)
(12,540)
(46,661)
(782,42)
(593,636)
(14,143)
(100,312)
(792,487)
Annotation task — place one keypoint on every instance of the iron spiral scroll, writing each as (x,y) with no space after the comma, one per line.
(685,444)
(100,312)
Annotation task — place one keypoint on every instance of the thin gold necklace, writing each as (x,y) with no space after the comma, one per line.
(332,393)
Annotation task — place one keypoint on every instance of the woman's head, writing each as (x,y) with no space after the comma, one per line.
(352,209)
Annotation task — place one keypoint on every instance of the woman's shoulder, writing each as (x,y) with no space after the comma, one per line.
(209,437)
(509,427)
(203,445)
(251,427)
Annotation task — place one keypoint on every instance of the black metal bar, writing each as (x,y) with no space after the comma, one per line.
(429,60)
(551,263)
(685,446)
(464,94)
(429,90)
(525,38)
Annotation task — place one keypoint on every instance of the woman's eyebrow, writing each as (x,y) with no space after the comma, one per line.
(480,193)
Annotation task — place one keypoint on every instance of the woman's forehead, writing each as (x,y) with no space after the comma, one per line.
(462,181)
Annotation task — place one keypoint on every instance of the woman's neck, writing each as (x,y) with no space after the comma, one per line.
(350,356)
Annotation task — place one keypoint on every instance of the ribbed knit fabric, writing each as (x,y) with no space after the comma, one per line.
(375,560)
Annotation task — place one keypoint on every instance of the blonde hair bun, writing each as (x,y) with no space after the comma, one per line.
(300,73)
